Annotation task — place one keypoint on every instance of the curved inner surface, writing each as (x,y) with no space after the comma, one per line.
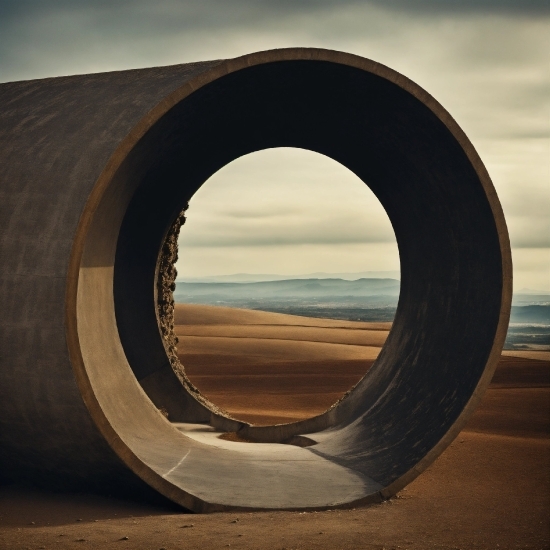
(448,311)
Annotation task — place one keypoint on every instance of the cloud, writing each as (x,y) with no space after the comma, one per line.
(531,268)
(520,169)
(486,61)
(469,6)
(284,197)
(48,38)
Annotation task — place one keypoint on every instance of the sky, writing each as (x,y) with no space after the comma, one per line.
(486,61)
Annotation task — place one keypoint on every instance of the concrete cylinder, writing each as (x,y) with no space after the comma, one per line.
(96,168)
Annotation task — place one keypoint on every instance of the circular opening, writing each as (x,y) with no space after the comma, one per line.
(288,280)
(453,306)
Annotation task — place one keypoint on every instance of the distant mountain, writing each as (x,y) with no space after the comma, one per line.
(534,315)
(364,299)
(530,299)
(531,291)
(362,292)
(261,277)
(529,328)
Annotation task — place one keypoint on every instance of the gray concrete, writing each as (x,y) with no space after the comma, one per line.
(96,168)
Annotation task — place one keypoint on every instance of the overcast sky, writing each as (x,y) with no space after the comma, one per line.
(487,62)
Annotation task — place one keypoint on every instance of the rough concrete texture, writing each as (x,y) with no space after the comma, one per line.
(166,284)
(88,163)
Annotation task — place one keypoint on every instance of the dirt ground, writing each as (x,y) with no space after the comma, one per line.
(489,489)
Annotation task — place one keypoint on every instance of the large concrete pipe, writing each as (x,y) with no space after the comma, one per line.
(96,168)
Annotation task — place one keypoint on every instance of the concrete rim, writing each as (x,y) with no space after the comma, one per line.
(96,403)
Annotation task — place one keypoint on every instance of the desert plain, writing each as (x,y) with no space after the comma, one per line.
(490,489)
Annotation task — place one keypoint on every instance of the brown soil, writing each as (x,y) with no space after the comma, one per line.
(489,489)
(272,368)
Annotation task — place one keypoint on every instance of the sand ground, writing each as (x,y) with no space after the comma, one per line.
(489,489)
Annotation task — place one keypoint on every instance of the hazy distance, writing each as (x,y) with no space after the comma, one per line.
(292,231)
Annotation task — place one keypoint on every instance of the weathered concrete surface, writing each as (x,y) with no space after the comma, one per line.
(95,170)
